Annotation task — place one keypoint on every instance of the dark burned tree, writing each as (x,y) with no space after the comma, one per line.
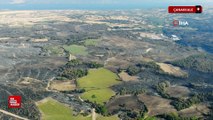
(161,89)
(175,116)
(76,69)
(202,62)
(94,65)
(74,73)
(180,104)
(148,66)
(133,70)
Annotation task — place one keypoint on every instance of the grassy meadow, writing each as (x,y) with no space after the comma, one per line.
(76,49)
(97,85)
(54,110)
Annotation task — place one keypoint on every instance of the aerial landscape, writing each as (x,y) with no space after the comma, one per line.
(106,65)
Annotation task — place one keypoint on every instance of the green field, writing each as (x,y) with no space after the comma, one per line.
(76,49)
(101,95)
(97,84)
(53,110)
(91,42)
(97,79)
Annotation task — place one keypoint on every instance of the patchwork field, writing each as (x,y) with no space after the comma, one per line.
(76,49)
(97,84)
(156,105)
(53,110)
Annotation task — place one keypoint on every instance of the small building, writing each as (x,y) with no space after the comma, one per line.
(175,38)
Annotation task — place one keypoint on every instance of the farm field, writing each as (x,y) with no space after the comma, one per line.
(99,96)
(53,110)
(76,49)
(98,79)
(97,84)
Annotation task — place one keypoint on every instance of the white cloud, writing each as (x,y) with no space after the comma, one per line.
(17,1)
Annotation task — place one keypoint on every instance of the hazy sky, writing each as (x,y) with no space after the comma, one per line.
(46,4)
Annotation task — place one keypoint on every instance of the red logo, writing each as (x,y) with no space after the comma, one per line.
(14,102)
(175,23)
(185,9)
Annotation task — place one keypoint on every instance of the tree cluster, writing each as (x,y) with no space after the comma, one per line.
(148,66)
(174,116)
(75,69)
(180,104)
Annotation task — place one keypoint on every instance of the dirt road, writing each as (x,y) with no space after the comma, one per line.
(13,115)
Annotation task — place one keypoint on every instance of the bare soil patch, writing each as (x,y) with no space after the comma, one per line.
(116,62)
(64,85)
(127,101)
(156,105)
(126,77)
(150,35)
(196,110)
(178,91)
(168,68)
(27,81)
(124,42)
(40,40)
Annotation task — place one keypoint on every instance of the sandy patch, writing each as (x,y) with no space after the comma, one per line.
(40,40)
(126,77)
(65,85)
(168,68)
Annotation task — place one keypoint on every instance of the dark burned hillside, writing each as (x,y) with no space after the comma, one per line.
(203,63)
(29,95)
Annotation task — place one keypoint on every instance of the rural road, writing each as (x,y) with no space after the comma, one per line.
(93,114)
(48,85)
(13,115)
